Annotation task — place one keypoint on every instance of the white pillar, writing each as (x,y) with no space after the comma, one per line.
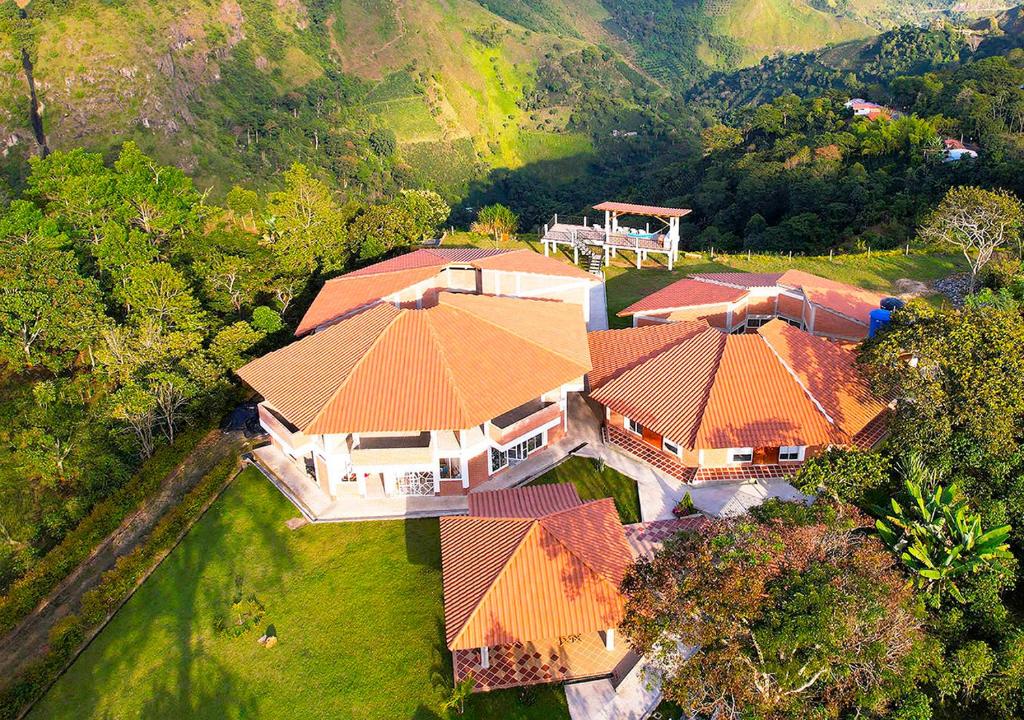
(576,254)
(609,639)
(485,657)
(545,248)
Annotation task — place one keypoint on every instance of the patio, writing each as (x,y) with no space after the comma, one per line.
(316,506)
(533,663)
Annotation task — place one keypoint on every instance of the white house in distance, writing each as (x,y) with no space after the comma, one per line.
(954,151)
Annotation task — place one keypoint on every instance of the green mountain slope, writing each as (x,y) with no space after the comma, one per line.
(378,93)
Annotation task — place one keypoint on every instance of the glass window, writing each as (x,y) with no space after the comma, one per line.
(670,447)
(634,427)
(450,468)
(791,452)
(499,459)
(517,453)
(740,455)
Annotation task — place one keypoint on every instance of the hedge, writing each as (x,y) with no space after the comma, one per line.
(29,590)
(115,587)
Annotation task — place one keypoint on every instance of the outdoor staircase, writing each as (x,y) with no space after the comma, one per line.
(591,260)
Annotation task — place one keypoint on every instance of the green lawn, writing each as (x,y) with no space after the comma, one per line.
(357,608)
(594,483)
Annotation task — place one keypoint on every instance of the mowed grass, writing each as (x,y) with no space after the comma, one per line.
(879,272)
(356,606)
(594,482)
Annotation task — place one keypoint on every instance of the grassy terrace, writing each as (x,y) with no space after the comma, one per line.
(594,482)
(357,608)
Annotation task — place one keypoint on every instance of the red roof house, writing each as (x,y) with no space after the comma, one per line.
(415,279)
(734,301)
(698,398)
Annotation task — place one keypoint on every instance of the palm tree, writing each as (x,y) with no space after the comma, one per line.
(935,536)
(496,220)
(460,692)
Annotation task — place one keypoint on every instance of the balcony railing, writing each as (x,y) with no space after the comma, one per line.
(522,419)
(296,440)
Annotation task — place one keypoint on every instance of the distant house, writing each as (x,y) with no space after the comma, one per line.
(532,585)
(737,302)
(701,404)
(398,402)
(872,111)
(955,151)
(414,280)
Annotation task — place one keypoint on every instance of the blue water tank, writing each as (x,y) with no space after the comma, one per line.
(879,318)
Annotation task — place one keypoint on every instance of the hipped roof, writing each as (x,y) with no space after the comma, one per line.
(452,366)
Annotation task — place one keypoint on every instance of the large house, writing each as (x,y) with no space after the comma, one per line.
(736,301)
(414,280)
(393,401)
(702,404)
(531,585)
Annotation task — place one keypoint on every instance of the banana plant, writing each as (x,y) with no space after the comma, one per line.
(935,535)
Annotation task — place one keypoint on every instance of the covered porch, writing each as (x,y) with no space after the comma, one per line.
(577,657)
(348,504)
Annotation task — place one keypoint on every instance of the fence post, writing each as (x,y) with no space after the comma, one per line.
(712,252)
(830,254)
(907,251)
(790,254)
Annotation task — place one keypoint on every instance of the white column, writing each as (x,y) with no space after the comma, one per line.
(609,639)
(485,657)
(607,226)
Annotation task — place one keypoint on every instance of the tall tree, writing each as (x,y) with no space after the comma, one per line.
(497,221)
(790,613)
(306,228)
(977,222)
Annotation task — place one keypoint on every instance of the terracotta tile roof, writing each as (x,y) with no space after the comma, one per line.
(740,279)
(344,294)
(848,300)
(525,502)
(756,402)
(527,261)
(452,366)
(778,387)
(829,373)
(685,293)
(436,257)
(669,392)
(510,580)
(613,352)
(642,209)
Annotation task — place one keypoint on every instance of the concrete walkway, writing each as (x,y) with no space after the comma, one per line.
(728,499)
(634,698)
(598,309)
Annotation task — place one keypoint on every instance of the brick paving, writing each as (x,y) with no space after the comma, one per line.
(646,538)
(534,663)
(747,473)
(654,458)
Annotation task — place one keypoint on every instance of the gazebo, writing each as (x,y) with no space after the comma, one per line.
(599,243)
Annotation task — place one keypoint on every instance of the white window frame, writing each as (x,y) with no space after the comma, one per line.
(798,450)
(746,455)
(632,426)
(454,465)
(670,447)
(537,441)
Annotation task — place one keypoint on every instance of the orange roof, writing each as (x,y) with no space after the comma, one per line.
(685,293)
(512,580)
(532,501)
(527,261)
(829,373)
(613,352)
(780,386)
(711,288)
(342,295)
(853,302)
(756,402)
(466,360)
(653,210)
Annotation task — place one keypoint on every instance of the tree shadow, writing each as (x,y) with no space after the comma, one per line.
(423,542)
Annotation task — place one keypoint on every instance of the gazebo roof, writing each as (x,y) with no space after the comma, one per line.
(651,210)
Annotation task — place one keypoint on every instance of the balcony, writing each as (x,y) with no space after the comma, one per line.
(384,450)
(298,442)
(519,421)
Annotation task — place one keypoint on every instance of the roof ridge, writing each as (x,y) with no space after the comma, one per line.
(532,522)
(712,379)
(456,390)
(356,365)
(570,550)
(506,330)
(799,382)
(362,275)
